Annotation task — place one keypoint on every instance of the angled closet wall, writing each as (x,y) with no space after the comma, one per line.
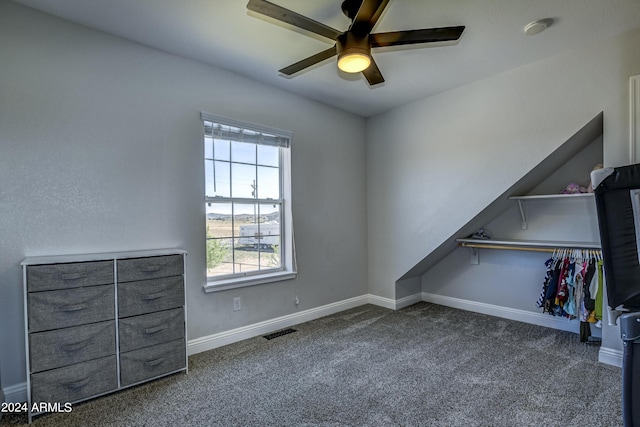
(506,281)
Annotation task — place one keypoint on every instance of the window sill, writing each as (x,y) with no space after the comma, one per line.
(223,285)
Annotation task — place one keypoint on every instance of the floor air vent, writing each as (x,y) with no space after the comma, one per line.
(279,333)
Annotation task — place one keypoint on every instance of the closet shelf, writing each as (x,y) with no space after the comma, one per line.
(522,199)
(551,196)
(526,245)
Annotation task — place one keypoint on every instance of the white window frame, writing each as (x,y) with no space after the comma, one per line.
(287,270)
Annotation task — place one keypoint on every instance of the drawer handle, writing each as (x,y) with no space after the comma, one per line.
(154,330)
(72,276)
(150,268)
(154,362)
(74,346)
(77,384)
(151,297)
(71,308)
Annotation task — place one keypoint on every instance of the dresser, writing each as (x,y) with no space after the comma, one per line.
(98,323)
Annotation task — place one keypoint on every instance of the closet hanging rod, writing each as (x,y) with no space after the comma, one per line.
(515,248)
(531,246)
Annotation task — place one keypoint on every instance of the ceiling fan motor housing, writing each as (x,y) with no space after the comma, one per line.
(348,43)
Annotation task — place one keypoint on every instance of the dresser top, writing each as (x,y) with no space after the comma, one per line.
(55,259)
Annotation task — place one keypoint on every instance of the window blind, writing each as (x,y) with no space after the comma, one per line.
(232,130)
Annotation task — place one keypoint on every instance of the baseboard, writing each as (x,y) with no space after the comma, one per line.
(407,301)
(381,301)
(234,335)
(610,356)
(394,304)
(228,337)
(504,312)
(15,393)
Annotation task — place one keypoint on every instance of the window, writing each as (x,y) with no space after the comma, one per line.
(247,203)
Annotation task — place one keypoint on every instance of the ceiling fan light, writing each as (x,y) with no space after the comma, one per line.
(354,52)
(354,62)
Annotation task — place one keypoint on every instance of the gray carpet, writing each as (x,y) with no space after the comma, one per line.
(425,365)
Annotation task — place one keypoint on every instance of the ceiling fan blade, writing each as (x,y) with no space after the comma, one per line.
(373,74)
(427,35)
(368,16)
(279,13)
(308,62)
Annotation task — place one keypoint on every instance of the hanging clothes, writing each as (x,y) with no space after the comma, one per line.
(572,277)
(549,303)
(573,287)
(545,284)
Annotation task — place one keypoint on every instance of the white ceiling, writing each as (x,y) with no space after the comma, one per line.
(223,33)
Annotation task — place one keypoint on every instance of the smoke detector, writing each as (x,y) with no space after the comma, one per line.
(536,27)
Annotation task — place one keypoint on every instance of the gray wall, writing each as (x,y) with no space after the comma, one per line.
(435,164)
(101,150)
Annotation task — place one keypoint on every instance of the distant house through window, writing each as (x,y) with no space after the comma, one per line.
(247,203)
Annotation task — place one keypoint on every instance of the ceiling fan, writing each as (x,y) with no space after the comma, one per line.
(353,47)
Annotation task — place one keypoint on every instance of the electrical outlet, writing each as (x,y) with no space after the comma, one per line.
(237,305)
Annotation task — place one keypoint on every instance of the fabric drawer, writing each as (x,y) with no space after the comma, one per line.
(72,275)
(133,269)
(62,347)
(150,362)
(150,295)
(150,329)
(60,309)
(75,382)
